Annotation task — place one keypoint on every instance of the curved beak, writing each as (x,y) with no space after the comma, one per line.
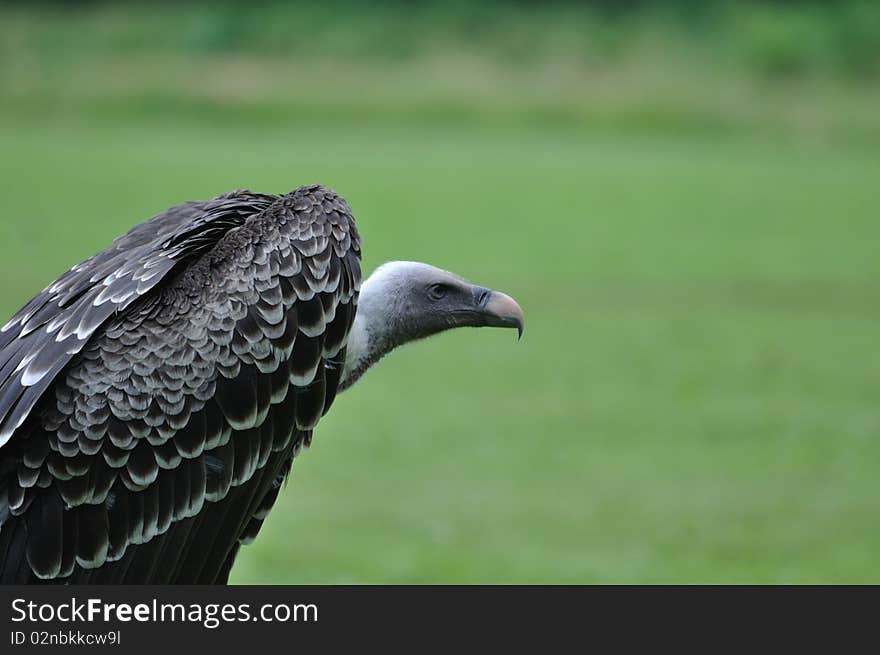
(497,309)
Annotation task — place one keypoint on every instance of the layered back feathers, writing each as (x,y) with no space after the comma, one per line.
(154,396)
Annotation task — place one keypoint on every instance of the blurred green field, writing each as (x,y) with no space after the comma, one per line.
(695,396)
(684,202)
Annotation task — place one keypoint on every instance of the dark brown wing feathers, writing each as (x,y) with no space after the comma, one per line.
(197,354)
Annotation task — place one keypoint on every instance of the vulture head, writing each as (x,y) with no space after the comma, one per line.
(406,301)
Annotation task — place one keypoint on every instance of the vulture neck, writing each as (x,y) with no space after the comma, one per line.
(373,334)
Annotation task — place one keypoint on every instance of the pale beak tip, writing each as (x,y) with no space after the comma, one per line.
(505,312)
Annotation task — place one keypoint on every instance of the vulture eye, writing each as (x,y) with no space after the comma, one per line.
(437,291)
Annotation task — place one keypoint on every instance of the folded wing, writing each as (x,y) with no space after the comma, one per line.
(159,444)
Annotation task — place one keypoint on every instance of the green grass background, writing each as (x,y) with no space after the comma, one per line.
(696,395)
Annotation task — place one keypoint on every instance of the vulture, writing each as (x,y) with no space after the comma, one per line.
(153,398)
